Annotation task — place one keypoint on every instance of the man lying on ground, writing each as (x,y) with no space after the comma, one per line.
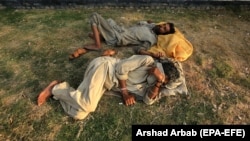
(143,34)
(138,77)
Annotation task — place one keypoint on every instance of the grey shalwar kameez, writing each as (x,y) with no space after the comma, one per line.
(115,35)
(102,74)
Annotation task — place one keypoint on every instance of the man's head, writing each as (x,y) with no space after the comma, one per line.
(164,29)
(170,70)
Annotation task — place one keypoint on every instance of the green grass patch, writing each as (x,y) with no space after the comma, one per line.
(34,50)
(220,69)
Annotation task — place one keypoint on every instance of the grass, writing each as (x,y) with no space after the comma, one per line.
(34,50)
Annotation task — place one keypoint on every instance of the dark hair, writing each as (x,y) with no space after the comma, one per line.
(172,29)
(170,70)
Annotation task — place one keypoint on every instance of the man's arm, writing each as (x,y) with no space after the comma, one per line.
(153,92)
(155,55)
(126,66)
(145,52)
(128,98)
(132,63)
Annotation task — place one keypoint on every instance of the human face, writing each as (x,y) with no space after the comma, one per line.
(162,29)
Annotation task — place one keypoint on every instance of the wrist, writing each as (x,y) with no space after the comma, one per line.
(152,94)
(158,85)
(161,80)
(124,91)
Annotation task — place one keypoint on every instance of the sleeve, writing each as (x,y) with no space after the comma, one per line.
(143,46)
(132,63)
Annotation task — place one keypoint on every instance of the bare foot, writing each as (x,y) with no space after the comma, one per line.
(77,53)
(46,93)
(109,52)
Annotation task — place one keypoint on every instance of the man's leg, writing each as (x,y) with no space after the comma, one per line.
(96,36)
(91,35)
(46,93)
(101,31)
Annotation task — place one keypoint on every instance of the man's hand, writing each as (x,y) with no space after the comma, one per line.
(157,55)
(128,99)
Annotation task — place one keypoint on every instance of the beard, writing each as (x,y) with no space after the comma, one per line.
(156,30)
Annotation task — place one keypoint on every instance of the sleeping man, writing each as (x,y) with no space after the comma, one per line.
(139,77)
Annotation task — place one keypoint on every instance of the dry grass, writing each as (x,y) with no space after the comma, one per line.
(34,50)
